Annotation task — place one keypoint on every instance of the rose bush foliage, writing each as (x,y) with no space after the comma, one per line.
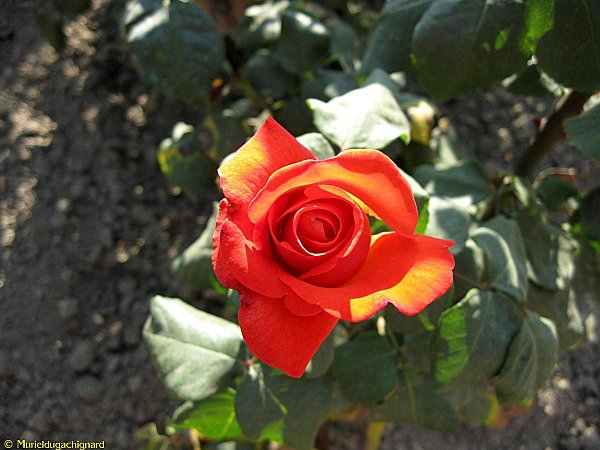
(293,238)
(296,236)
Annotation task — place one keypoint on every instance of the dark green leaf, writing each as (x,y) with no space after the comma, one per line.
(344,46)
(553,191)
(444,144)
(194,266)
(540,19)
(51,24)
(550,252)
(464,182)
(213,417)
(258,410)
(589,216)
(416,402)
(420,194)
(194,352)
(175,46)
(570,51)
(328,84)
(308,403)
(368,117)
(295,116)
(560,307)
(469,269)
(529,362)
(317,144)
(304,43)
(71,7)
(401,323)
(584,130)
(479,408)
(473,336)
(265,75)
(323,359)
(527,82)
(505,257)
(183,158)
(365,368)
(449,221)
(389,45)
(459,45)
(261,24)
(416,351)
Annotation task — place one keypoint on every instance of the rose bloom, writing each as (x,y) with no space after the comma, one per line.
(293,238)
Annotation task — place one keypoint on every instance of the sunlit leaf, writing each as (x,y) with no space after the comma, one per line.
(194,352)
(529,362)
(473,336)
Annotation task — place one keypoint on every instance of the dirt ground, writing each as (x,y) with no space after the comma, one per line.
(88,227)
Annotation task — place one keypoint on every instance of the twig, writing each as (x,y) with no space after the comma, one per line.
(551,132)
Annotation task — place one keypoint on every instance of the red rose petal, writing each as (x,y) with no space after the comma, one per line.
(280,338)
(386,193)
(407,272)
(245,172)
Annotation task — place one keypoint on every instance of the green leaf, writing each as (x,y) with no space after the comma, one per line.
(258,410)
(304,42)
(308,403)
(550,252)
(528,82)
(194,352)
(420,194)
(184,160)
(584,131)
(328,84)
(403,324)
(460,45)
(51,25)
(368,117)
(479,408)
(560,307)
(464,182)
(175,45)
(449,221)
(268,400)
(553,191)
(588,214)
(416,351)
(317,144)
(444,144)
(261,24)
(323,359)
(469,268)
(505,257)
(416,402)
(194,266)
(529,362)
(389,45)
(365,368)
(570,51)
(71,8)
(473,336)
(266,75)
(345,45)
(294,115)
(213,417)
(540,19)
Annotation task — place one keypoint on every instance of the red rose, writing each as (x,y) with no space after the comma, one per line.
(293,238)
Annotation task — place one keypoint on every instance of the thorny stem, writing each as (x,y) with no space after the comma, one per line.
(550,133)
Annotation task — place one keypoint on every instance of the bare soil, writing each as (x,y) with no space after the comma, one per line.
(88,226)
